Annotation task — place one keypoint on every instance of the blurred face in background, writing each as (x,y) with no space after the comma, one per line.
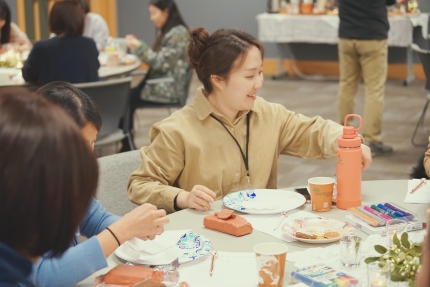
(2,22)
(158,16)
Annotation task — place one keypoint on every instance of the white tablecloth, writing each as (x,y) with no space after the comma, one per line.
(323,29)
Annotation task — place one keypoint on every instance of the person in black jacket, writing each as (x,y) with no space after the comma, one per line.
(363,33)
(69,56)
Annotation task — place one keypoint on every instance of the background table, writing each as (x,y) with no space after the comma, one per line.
(323,29)
(12,76)
(373,192)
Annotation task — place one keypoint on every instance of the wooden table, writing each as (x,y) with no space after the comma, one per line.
(372,191)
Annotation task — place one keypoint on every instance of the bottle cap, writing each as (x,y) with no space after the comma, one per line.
(350,137)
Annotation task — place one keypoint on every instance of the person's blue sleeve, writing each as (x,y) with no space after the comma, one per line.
(96,220)
(79,261)
(76,264)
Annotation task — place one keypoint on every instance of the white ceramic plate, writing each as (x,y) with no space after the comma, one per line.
(319,225)
(263,201)
(190,246)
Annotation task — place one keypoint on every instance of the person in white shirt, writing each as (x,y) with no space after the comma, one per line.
(95,27)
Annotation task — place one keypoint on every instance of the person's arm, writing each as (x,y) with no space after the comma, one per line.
(76,264)
(427,160)
(173,46)
(307,137)
(19,37)
(82,260)
(390,2)
(162,162)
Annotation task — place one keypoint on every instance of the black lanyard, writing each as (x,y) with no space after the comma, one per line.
(244,157)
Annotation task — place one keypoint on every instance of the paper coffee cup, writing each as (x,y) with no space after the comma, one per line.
(321,191)
(270,259)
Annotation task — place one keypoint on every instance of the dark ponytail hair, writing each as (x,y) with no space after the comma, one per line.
(216,54)
(174,19)
(5,15)
(78,105)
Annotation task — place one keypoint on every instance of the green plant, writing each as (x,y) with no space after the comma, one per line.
(404,257)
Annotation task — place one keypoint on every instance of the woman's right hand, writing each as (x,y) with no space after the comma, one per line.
(132,42)
(144,221)
(199,198)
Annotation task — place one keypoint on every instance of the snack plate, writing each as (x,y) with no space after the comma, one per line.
(317,226)
(191,246)
(263,201)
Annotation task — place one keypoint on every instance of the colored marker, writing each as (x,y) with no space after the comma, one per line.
(381,215)
(409,216)
(382,211)
(351,279)
(380,220)
(396,213)
(369,220)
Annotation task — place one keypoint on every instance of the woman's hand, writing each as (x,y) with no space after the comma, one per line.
(132,42)
(367,156)
(199,198)
(144,221)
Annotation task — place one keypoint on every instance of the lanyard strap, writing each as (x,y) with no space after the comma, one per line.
(244,157)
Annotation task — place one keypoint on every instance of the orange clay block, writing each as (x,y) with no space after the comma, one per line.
(129,275)
(233,224)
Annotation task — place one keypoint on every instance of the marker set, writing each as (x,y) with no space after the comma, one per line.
(321,275)
(376,215)
(372,218)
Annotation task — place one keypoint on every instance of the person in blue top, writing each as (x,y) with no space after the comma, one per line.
(105,231)
(42,152)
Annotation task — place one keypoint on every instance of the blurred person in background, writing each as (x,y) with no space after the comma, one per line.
(10,32)
(166,58)
(95,27)
(68,56)
(48,176)
(362,48)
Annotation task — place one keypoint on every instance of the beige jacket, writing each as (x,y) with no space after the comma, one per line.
(427,160)
(190,147)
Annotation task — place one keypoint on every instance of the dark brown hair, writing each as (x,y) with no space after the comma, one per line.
(5,15)
(216,54)
(67,17)
(174,19)
(48,174)
(78,105)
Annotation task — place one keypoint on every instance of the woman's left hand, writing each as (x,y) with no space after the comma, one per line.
(367,156)
(132,42)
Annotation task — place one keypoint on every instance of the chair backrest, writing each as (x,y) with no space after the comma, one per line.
(112,98)
(114,173)
(424,56)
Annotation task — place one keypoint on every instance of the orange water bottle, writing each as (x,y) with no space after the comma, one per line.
(349,166)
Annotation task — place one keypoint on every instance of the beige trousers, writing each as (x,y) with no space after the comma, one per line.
(366,58)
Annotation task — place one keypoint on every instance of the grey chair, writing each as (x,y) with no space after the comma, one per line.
(112,98)
(424,56)
(114,173)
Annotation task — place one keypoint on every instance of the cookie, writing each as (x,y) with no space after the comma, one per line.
(305,235)
(331,234)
